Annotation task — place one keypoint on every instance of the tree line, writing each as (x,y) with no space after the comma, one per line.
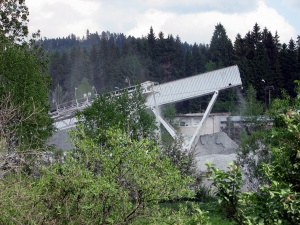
(110,60)
(119,172)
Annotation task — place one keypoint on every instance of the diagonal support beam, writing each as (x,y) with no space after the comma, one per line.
(168,127)
(206,114)
(173,91)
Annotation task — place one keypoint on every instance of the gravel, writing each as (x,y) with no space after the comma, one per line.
(217,148)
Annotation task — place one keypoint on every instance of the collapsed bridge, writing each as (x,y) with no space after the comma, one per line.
(161,94)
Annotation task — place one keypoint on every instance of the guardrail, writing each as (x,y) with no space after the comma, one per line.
(67,108)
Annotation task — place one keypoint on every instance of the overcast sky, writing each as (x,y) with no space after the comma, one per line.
(193,20)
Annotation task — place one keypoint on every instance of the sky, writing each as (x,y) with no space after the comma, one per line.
(193,21)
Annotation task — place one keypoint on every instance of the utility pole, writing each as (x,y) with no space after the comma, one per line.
(269,88)
(76,97)
(127,81)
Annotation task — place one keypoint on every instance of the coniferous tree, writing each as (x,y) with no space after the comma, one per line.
(58,96)
(151,44)
(102,62)
(259,55)
(55,69)
(221,52)
(288,58)
(204,56)
(196,60)
(178,59)
(80,67)
(276,78)
(188,64)
(221,48)
(151,50)
(93,58)
(161,57)
(240,58)
(112,58)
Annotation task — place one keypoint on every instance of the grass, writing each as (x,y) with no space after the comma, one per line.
(211,212)
(216,216)
(219,220)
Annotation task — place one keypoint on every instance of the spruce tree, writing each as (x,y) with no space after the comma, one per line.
(221,48)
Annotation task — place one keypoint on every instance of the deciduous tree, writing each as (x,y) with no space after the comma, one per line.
(23,76)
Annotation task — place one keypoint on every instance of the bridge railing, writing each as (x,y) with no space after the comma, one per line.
(71,106)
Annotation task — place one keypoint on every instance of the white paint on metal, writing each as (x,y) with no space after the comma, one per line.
(171,92)
(168,127)
(206,114)
(66,123)
(195,86)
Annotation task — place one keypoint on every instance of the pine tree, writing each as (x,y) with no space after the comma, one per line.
(188,64)
(196,60)
(276,78)
(240,58)
(151,44)
(288,59)
(178,59)
(221,48)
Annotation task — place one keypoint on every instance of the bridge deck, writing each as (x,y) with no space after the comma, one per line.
(195,86)
(174,91)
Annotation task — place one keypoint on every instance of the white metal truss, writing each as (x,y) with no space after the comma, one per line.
(170,92)
(168,126)
(205,116)
(189,88)
(65,123)
(195,86)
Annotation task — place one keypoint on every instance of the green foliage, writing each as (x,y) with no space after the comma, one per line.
(116,175)
(227,186)
(14,15)
(122,182)
(277,200)
(183,159)
(106,59)
(221,48)
(285,151)
(253,108)
(169,113)
(132,173)
(203,195)
(253,151)
(283,106)
(177,214)
(110,184)
(126,111)
(217,219)
(58,96)
(226,102)
(254,148)
(131,69)
(24,79)
(210,66)
(84,90)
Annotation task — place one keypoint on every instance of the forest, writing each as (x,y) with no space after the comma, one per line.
(110,60)
(119,170)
